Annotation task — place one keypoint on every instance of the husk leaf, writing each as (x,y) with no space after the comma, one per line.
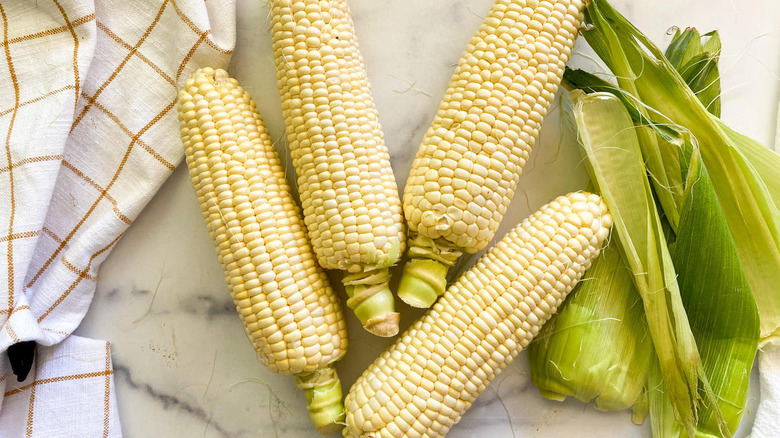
(568,357)
(617,169)
(752,215)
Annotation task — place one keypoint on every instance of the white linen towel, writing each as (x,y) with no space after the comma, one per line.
(88,133)
(767,422)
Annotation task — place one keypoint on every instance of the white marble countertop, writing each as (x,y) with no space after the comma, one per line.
(183,365)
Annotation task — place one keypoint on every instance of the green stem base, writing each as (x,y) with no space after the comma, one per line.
(423,281)
(372,301)
(322,389)
(425,276)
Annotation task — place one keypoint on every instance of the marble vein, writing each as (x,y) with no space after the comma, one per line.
(169,401)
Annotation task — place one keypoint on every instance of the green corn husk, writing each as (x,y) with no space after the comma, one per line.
(722,312)
(661,410)
(765,161)
(568,357)
(615,162)
(665,140)
(727,340)
(753,216)
(723,315)
(713,289)
(767,165)
(726,326)
(697,63)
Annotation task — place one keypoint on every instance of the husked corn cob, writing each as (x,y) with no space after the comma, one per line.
(429,377)
(290,313)
(348,192)
(469,162)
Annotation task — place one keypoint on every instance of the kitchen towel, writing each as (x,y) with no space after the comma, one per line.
(70,393)
(88,133)
(767,422)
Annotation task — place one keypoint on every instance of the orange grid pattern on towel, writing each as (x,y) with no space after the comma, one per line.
(110,90)
(88,134)
(79,368)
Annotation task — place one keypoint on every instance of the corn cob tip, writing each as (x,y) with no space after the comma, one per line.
(372,301)
(322,389)
(209,75)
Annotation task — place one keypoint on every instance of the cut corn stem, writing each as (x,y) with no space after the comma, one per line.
(425,275)
(423,281)
(322,389)
(422,385)
(371,299)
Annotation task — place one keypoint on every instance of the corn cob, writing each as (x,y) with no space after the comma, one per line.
(427,379)
(348,193)
(468,165)
(290,313)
